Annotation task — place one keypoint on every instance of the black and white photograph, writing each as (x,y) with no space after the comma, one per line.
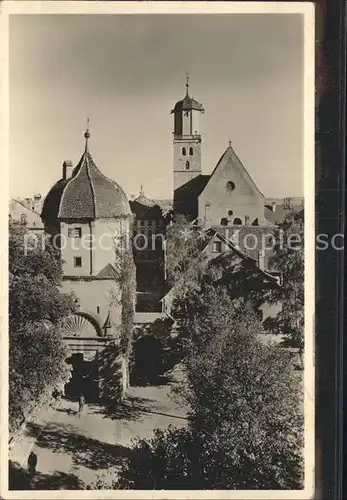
(158,299)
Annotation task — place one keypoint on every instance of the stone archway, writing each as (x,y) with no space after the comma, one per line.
(82,334)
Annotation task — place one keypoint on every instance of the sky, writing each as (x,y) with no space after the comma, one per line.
(125,72)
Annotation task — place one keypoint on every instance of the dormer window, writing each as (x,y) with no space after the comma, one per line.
(184,151)
(191,151)
(23,219)
(217,247)
(187,165)
(237,221)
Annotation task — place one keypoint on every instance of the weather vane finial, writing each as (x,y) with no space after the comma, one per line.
(229,143)
(187,82)
(87,134)
(141,190)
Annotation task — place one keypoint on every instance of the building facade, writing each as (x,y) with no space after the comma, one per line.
(227,200)
(148,241)
(88,215)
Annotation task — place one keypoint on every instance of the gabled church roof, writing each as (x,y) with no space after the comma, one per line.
(230,155)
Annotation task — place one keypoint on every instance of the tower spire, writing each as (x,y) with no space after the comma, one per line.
(187,83)
(87,135)
(142,191)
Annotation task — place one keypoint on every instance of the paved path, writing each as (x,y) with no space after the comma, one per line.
(72,450)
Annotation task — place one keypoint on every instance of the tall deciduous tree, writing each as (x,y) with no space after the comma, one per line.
(184,261)
(289,260)
(36,307)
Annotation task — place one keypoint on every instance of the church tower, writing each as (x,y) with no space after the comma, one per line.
(186,139)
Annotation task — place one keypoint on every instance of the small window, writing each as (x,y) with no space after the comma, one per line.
(23,219)
(142,222)
(187,165)
(184,151)
(98,309)
(74,232)
(191,151)
(230,212)
(224,222)
(237,221)
(150,223)
(217,247)
(78,261)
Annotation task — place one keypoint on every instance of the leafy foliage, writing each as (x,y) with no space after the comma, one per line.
(289,260)
(184,261)
(125,265)
(245,421)
(35,298)
(36,366)
(36,307)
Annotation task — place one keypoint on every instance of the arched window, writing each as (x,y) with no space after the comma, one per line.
(191,151)
(187,165)
(184,152)
(237,221)
(224,221)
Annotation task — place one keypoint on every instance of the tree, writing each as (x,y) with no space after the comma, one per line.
(36,366)
(124,263)
(36,307)
(245,422)
(184,261)
(288,259)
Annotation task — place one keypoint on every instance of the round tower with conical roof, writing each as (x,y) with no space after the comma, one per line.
(88,217)
(186,139)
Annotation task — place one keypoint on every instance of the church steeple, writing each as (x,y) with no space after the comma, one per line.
(186,138)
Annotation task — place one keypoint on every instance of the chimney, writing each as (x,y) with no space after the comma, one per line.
(274,206)
(37,202)
(27,202)
(246,220)
(67,169)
